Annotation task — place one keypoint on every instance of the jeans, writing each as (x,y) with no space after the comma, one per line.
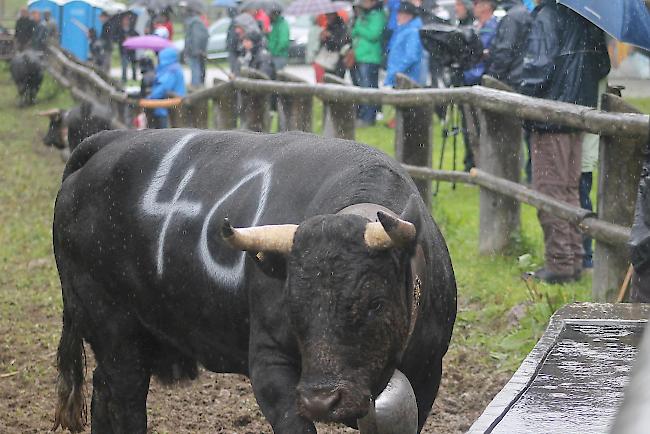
(557,159)
(368,76)
(197,68)
(585,203)
(279,63)
(126,60)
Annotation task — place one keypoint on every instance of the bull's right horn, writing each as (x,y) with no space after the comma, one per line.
(49,113)
(270,238)
(389,232)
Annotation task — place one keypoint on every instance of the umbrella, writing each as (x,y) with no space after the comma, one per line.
(114,23)
(195,5)
(150,42)
(225,3)
(625,20)
(154,5)
(314,7)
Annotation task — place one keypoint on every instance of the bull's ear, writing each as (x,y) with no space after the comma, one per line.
(272,264)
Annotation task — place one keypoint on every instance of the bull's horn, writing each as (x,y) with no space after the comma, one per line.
(271,238)
(389,232)
(50,112)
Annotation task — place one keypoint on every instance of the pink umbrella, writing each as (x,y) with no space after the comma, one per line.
(146,42)
(314,7)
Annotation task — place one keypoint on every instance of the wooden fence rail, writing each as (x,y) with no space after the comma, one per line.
(245,101)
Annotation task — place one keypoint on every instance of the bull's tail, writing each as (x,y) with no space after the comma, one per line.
(71,412)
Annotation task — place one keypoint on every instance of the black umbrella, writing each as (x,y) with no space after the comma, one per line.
(267,5)
(114,23)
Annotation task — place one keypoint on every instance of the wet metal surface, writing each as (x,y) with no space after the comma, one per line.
(573,381)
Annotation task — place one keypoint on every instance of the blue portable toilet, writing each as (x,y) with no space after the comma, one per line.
(77,17)
(54,6)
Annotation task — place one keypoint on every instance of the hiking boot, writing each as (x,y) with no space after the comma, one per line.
(547,276)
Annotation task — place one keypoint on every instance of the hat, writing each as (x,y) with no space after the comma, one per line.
(246,22)
(407,7)
(161,32)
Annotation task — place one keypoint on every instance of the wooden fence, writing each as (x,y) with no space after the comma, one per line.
(244,103)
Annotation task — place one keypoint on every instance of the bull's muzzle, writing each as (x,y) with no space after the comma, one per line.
(394,411)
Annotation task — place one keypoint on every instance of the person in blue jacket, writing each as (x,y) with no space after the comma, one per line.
(169,83)
(405,48)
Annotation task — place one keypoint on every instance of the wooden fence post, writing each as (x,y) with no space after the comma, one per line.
(177,117)
(413,134)
(338,117)
(224,109)
(294,112)
(197,114)
(255,109)
(499,155)
(620,161)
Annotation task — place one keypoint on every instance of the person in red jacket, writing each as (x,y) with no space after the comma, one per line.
(166,22)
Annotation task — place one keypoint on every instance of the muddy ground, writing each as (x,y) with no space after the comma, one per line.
(214,403)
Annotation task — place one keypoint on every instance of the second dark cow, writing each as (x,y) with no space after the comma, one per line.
(68,128)
(27,72)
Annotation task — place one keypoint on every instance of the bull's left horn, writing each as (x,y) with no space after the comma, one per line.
(271,238)
(389,232)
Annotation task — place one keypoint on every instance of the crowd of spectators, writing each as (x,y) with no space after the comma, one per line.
(532,48)
(33,30)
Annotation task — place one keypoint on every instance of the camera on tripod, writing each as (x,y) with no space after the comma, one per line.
(456,48)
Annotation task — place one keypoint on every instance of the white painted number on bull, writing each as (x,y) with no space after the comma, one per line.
(229,276)
(232,276)
(150,203)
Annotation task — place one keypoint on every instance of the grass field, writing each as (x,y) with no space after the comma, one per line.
(499,317)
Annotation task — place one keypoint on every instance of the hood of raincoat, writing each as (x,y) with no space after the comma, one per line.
(168,56)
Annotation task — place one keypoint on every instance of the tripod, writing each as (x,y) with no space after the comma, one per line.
(451,123)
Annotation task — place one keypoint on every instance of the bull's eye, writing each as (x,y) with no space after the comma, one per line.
(376,306)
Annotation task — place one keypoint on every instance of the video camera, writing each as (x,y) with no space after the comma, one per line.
(458,48)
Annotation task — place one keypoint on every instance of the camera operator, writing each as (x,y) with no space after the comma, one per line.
(486,26)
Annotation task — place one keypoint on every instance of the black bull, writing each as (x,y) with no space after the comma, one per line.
(68,128)
(317,315)
(27,72)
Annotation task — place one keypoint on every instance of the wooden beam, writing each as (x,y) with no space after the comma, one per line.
(620,161)
(224,107)
(498,101)
(413,136)
(500,143)
(255,108)
(338,116)
(294,111)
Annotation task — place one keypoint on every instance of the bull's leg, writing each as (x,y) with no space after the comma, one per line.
(425,385)
(121,379)
(274,379)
